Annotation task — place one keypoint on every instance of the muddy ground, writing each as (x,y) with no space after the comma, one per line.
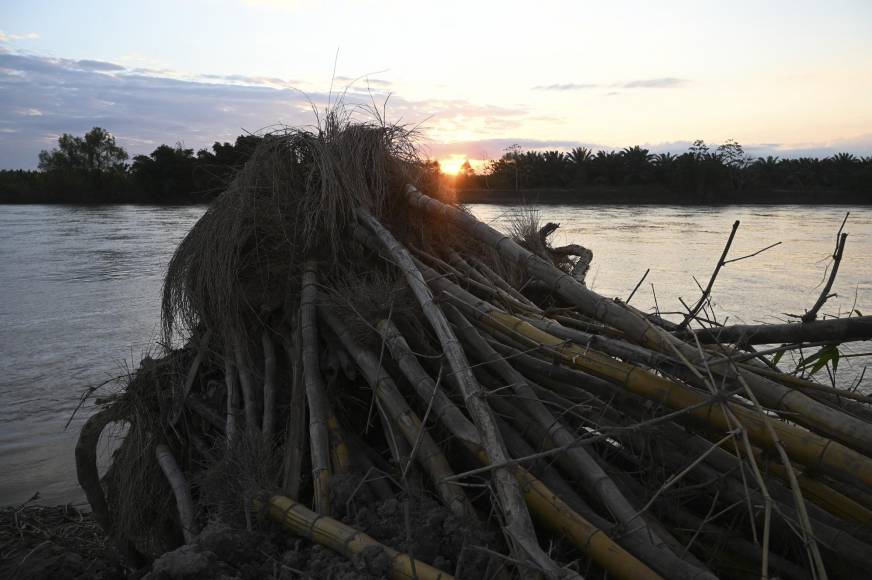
(65,543)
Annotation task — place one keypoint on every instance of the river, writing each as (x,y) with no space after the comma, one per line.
(80,295)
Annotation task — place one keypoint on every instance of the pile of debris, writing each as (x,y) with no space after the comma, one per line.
(373,369)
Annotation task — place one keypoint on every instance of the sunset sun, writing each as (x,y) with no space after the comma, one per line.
(451,165)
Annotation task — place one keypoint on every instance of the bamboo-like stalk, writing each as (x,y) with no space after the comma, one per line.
(801,408)
(829,531)
(316,395)
(825,291)
(429,455)
(342,538)
(500,282)
(86,466)
(823,495)
(546,505)
(246,382)
(202,347)
(518,523)
(464,267)
(295,439)
(708,289)
(835,330)
(230,380)
(576,459)
(181,490)
(207,412)
(269,385)
(805,447)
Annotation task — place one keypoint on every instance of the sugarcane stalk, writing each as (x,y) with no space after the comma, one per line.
(518,523)
(316,395)
(545,504)
(232,423)
(295,439)
(86,465)
(720,463)
(580,464)
(342,538)
(834,330)
(501,283)
(392,402)
(807,448)
(824,496)
(181,490)
(798,406)
(191,376)
(488,288)
(825,291)
(246,383)
(269,385)
(207,412)
(463,266)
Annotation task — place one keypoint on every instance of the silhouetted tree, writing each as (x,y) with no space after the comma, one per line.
(96,153)
(167,174)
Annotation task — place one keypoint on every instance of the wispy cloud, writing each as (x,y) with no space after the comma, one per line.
(5,37)
(485,149)
(566,87)
(98,65)
(658,83)
(42,97)
(653,83)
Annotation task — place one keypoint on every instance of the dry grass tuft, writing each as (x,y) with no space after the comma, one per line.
(293,200)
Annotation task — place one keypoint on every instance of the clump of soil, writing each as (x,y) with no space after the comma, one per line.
(57,542)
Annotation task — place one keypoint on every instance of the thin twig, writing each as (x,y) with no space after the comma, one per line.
(630,297)
(708,289)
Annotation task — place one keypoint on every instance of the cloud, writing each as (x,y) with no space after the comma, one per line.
(4,37)
(658,83)
(655,83)
(42,97)
(566,87)
(98,65)
(488,149)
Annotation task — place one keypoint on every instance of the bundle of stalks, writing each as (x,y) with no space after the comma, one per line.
(356,341)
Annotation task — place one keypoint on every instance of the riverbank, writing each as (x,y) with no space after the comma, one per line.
(648,195)
(58,542)
(589,195)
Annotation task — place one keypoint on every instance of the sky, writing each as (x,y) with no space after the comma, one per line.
(782,78)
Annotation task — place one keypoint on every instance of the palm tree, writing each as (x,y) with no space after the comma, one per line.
(579,159)
(664,167)
(579,156)
(766,169)
(637,163)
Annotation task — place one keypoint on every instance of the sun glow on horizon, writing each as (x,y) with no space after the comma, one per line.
(451,165)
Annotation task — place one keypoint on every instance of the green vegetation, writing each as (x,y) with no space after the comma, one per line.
(94,169)
(700,174)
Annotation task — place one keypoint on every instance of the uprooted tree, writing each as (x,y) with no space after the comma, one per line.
(353,339)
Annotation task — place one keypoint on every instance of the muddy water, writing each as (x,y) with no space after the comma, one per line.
(80,292)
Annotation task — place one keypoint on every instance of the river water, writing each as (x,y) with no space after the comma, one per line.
(80,293)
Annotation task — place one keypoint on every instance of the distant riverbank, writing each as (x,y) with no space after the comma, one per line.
(646,195)
(593,195)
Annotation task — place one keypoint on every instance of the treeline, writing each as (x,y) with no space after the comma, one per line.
(94,169)
(701,173)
